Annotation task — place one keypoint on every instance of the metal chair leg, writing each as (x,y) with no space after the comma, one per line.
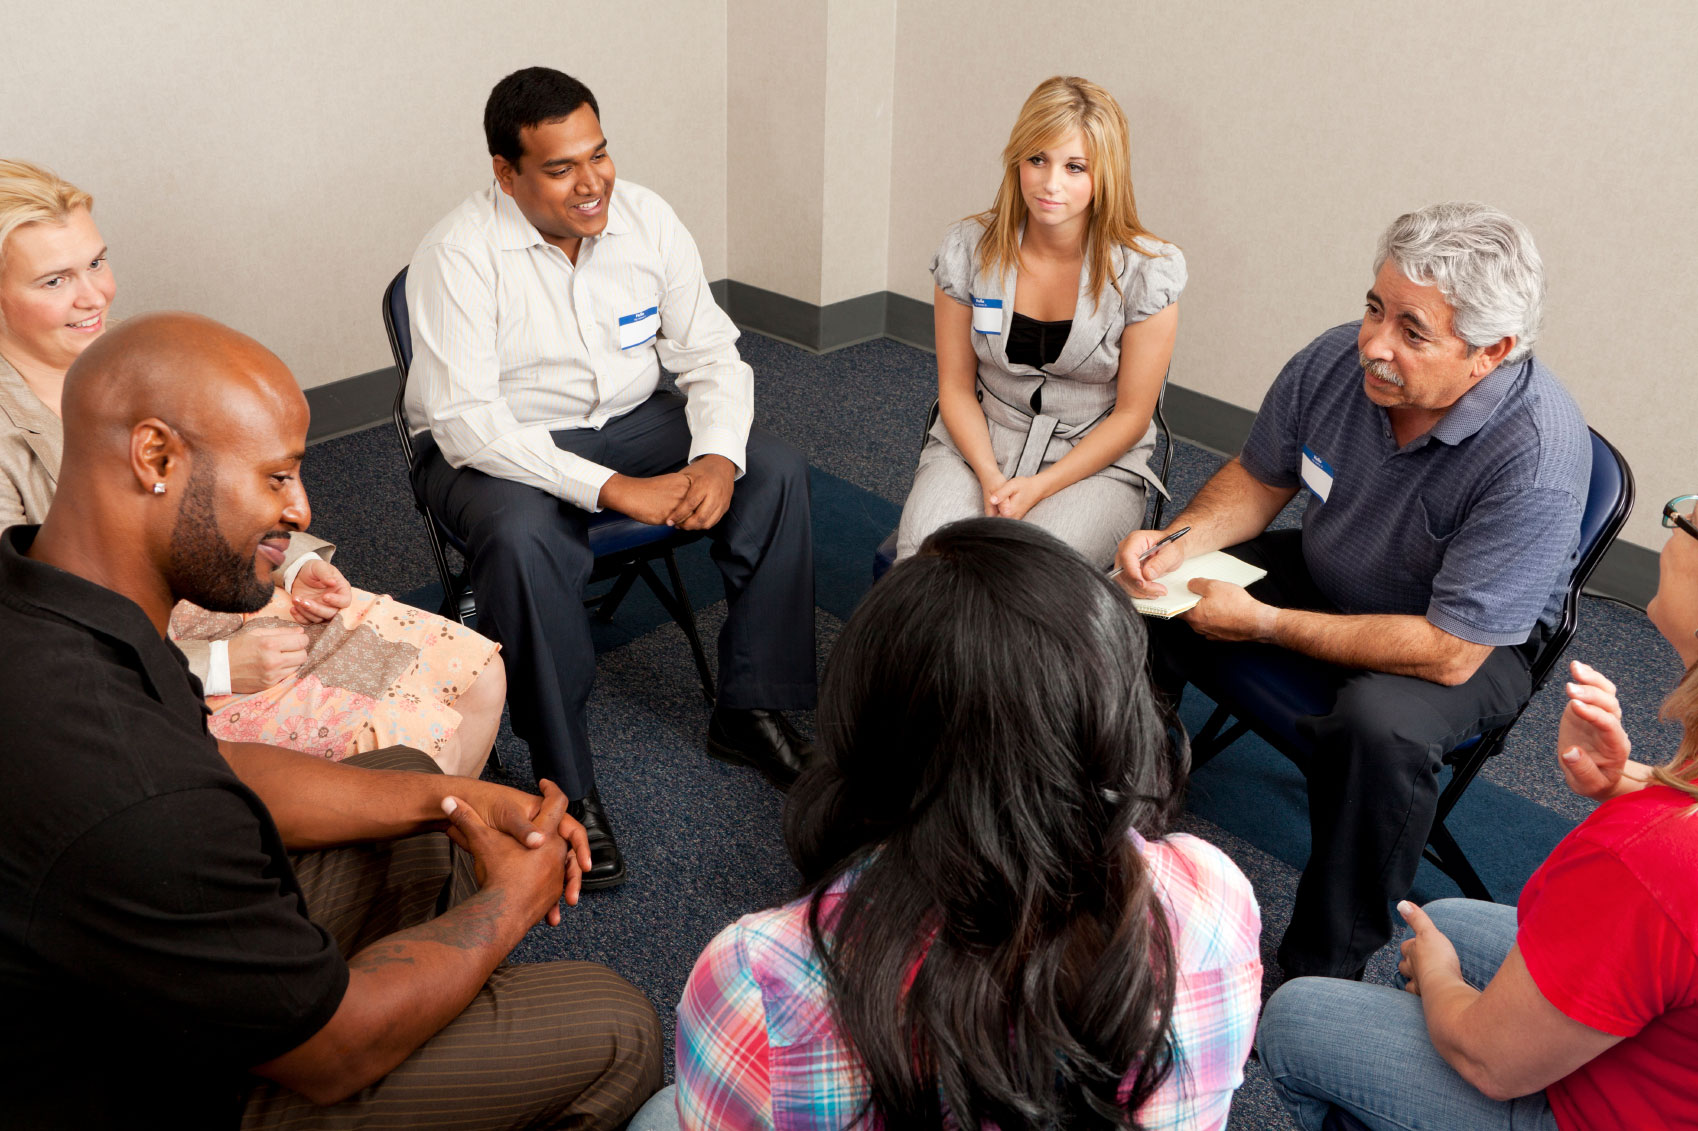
(1211,741)
(608,603)
(1448,857)
(677,603)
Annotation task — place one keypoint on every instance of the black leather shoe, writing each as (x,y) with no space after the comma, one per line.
(607,863)
(759,738)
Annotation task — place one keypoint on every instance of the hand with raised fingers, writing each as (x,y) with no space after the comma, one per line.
(1593,749)
(319,592)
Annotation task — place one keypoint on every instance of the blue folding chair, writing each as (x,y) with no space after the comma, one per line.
(1264,696)
(624,548)
(885,556)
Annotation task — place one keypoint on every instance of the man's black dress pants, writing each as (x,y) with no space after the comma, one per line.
(530,562)
(1373,783)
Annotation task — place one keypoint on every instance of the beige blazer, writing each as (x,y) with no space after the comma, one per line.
(32,442)
(32,445)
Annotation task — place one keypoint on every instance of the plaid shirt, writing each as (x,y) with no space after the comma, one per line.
(757,1047)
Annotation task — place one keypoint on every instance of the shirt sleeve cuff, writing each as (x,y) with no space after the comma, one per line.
(725,444)
(217,680)
(584,491)
(293,572)
(1474,634)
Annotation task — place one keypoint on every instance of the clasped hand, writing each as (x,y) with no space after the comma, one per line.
(522,840)
(692,499)
(1012,498)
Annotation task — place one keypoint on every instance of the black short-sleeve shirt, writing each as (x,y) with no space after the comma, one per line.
(154,943)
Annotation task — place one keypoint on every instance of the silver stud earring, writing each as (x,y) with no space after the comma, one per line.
(159,488)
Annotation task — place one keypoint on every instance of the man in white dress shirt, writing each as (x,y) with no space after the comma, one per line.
(543,310)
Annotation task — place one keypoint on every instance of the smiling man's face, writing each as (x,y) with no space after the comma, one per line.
(243,498)
(563,183)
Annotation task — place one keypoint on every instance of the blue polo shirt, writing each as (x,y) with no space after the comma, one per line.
(1474,525)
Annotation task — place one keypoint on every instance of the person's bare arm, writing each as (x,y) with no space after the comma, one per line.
(403,989)
(1145,349)
(320,804)
(1399,644)
(1232,507)
(957,382)
(1507,1040)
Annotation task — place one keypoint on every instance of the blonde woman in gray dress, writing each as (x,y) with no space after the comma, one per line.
(1055,314)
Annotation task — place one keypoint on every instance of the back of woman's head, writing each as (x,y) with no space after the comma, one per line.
(989,737)
(30,194)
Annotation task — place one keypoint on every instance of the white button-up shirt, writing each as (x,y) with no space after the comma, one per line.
(512,341)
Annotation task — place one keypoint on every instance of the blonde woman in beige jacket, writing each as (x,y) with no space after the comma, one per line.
(324,668)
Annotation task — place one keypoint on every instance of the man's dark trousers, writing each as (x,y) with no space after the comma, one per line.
(1373,784)
(530,562)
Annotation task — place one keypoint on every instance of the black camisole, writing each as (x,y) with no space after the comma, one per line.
(1035,343)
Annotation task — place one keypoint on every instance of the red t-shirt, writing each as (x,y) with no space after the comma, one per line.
(1608,926)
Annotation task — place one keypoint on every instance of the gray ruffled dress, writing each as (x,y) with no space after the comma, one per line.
(1036,415)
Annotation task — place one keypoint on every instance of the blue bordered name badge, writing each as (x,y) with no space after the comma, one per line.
(1317,474)
(987,315)
(635,329)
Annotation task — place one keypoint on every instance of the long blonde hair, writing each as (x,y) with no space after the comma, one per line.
(30,194)
(1681,771)
(1058,107)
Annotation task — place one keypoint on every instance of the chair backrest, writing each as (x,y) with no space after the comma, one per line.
(400,329)
(1609,500)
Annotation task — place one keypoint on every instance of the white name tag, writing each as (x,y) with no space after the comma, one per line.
(635,329)
(1317,474)
(987,315)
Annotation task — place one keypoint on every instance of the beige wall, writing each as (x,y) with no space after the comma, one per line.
(808,107)
(1274,140)
(776,65)
(272,165)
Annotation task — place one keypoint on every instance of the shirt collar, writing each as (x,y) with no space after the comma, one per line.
(25,583)
(515,233)
(1471,411)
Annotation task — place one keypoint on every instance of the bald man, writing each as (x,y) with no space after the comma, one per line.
(165,960)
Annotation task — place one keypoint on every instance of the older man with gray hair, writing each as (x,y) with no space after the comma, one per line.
(1447,472)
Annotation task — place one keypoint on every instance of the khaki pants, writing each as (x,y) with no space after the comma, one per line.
(549,1044)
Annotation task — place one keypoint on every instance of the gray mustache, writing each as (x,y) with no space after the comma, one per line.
(1380,369)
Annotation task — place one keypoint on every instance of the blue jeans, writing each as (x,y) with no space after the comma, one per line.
(659,1114)
(1327,1042)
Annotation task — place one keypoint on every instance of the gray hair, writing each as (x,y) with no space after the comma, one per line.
(1484,264)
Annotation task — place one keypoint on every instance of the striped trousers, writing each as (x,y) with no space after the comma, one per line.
(548,1044)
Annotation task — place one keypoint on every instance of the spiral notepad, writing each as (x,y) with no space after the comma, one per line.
(1217,565)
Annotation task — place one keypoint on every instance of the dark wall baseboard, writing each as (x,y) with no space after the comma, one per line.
(1628,573)
(350,404)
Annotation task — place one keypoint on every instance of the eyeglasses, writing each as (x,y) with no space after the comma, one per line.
(1672,516)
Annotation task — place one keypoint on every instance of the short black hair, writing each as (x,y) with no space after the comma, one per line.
(527,98)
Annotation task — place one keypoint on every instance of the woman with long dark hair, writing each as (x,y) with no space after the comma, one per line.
(996,925)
